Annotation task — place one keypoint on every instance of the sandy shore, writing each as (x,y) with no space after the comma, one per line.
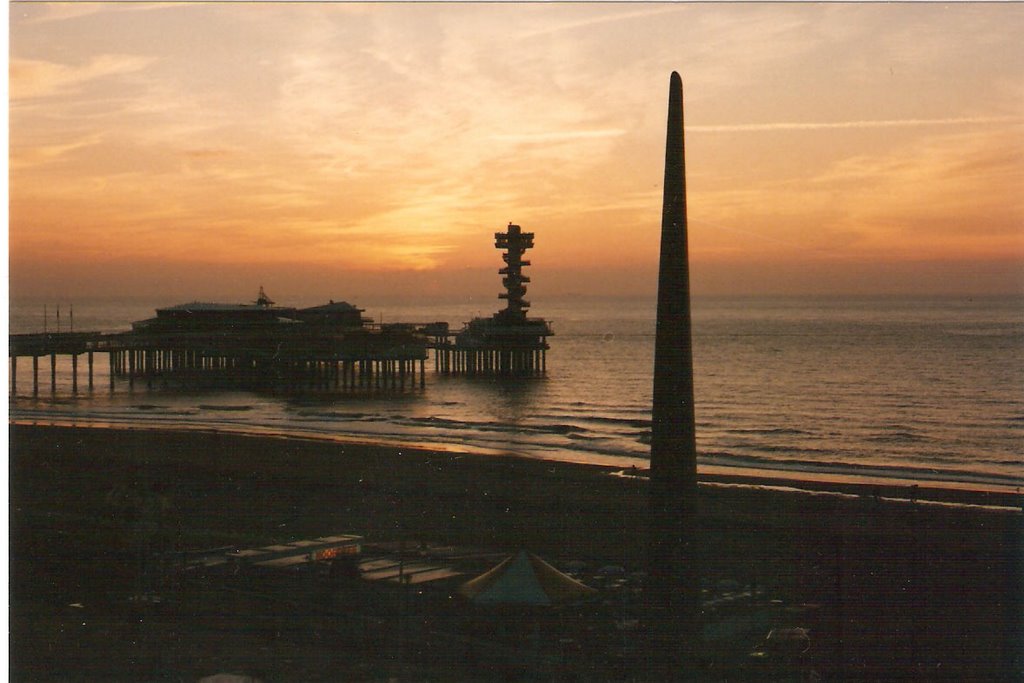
(906,590)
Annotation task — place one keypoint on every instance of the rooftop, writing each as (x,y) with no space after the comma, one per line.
(208,306)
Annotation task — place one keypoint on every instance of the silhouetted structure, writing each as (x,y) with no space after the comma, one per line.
(673,592)
(507,343)
(262,313)
(324,348)
(515,242)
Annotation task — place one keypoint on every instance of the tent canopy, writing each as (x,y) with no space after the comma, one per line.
(524,579)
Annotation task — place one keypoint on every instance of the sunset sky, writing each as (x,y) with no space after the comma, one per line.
(354,151)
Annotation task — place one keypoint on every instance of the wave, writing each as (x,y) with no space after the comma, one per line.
(897,437)
(639,408)
(333,415)
(783,448)
(600,419)
(504,427)
(586,437)
(457,425)
(772,431)
(900,471)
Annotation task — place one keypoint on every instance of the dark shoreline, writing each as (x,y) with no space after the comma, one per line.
(906,590)
(782,480)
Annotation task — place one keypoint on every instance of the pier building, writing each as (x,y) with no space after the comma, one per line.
(261,313)
(507,343)
(259,345)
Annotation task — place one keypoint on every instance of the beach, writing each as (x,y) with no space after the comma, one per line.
(902,589)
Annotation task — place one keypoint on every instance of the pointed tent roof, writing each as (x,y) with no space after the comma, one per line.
(524,579)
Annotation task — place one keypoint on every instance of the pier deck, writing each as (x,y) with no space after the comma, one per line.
(292,356)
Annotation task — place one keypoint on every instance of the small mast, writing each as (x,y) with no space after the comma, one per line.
(263,300)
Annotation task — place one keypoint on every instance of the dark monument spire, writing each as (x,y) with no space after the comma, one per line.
(674,574)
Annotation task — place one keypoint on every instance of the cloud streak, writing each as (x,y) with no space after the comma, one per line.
(560,136)
(852,125)
(596,21)
(31,78)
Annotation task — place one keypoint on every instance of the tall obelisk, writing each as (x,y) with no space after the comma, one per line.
(673,591)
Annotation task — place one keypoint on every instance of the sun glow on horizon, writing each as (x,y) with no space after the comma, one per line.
(329,141)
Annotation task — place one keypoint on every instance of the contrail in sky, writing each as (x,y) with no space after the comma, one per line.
(886,123)
(606,19)
(556,136)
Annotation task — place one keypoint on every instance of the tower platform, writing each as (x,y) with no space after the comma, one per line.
(508,342)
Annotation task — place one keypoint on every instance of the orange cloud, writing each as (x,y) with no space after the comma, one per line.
(34,78)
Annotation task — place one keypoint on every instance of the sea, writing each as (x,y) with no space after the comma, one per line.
(865,389)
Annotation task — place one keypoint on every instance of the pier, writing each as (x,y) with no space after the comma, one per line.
(508,343)
(326,348)
(51,345)
(254,346)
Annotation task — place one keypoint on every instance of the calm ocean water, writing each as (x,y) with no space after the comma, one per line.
(921,389)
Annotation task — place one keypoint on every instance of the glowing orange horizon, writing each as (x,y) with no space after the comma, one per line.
(394,139)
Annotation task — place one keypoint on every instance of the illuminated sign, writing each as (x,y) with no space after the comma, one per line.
(335,552)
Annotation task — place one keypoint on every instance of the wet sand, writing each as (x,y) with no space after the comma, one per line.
(905,590)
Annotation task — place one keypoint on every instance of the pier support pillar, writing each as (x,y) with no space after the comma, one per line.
(74,373)
(14,376)
(53,373)
(90,361)
(35,375)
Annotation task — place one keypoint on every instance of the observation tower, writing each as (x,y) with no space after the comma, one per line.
(515,242)
(507,343)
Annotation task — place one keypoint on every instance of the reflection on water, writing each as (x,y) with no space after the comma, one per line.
(894,388)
